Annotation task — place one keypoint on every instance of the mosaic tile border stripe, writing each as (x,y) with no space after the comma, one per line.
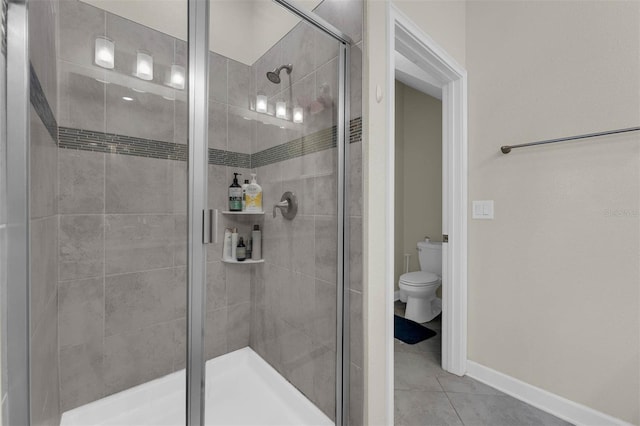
(319,141)
(111,143)
(41,105)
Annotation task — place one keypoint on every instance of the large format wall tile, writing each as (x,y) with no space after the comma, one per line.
(324,315)
(215,333)
(81,181)
(139,356)
(216,286)
(238,326)
(138,185)
(43,170)
(44,266)
(326,248)
(218,125)
(141,299)
(147,116)
(324,379)
(297,359)
(81,311)
(218,77)
(82,99)
(42,47)
(326,48)
(44,368)
(241,130)
(240,86)
(138,242)
(79,24)
(81,246)
(238,284)
(298,49)
(81,374)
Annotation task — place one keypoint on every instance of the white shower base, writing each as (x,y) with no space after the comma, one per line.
(242,389)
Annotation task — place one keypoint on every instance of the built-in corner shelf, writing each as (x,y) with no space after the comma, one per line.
(244,262)
(242,213)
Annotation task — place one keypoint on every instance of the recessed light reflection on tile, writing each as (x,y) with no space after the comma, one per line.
(127,98)
(138,90)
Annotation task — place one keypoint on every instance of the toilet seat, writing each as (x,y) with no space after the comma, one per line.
(419,278)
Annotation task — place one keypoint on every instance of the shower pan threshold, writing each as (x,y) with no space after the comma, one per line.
(242,389)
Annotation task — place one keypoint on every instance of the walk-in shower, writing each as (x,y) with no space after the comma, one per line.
(121,307)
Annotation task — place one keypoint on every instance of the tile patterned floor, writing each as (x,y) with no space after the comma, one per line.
(426,395)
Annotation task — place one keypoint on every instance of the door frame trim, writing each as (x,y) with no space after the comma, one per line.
(406,37)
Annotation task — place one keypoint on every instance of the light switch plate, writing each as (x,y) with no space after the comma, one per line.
(482,209)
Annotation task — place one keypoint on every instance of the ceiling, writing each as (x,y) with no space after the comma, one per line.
(242,30)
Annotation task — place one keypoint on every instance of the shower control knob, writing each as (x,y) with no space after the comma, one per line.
(288,205)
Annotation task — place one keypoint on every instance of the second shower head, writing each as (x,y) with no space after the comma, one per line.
(274,76)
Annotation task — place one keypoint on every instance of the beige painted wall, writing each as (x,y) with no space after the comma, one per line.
(443,20)
(418,173)
(398,218)
(377,379)
(554,280)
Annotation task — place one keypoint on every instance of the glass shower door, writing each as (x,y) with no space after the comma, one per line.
(271,329)
(108,212)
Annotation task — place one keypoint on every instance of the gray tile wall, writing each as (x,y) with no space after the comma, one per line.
(123,219)
(45,400)
(294,292)
(123,226)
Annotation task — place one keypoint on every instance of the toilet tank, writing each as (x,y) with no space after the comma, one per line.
(430,256)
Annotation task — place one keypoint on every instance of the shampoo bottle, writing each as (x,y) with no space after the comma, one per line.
(226,246)
(241,251)
(256,248)
(244,193)
(235,195)
(234,243)
(254,196)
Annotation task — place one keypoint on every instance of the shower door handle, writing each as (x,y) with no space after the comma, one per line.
(208,226)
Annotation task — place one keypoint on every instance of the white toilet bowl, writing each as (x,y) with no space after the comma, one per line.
(419,291)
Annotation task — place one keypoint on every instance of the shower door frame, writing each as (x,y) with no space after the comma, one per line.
(17,327)
(199,234)
(200,230)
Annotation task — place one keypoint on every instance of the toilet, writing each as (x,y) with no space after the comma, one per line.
(418,289)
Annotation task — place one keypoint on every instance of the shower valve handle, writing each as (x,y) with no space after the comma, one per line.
(281,205)
(288,205)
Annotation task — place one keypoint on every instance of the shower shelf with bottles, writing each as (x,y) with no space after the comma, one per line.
(243,213)
(243,262)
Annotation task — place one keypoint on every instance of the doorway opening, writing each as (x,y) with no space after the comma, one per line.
(428,73)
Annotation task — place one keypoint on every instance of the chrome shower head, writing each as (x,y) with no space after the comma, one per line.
(274,76)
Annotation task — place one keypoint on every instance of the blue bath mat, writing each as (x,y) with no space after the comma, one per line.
(410,332)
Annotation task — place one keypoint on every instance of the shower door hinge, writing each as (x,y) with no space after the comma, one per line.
(445,238)
(209,226)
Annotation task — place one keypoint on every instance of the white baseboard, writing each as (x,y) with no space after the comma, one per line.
(563,408)
(396,295)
